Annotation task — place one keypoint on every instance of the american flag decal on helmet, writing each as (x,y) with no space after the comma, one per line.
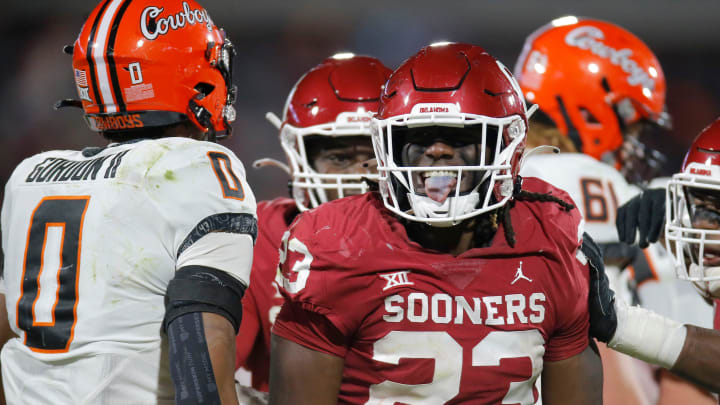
(80,78)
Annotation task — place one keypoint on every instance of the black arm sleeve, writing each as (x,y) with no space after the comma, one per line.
(204,289)
(190,366)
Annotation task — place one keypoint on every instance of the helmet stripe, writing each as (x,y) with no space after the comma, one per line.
(99,56)
(91,64)
(111,57)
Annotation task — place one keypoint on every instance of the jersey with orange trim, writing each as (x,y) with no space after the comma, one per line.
(413,324)
(262,300)
(91,240)
(596,188)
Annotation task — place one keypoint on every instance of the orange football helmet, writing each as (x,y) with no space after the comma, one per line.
(592,79)
(151,63)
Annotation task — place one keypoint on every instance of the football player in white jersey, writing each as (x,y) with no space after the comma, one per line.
(125,265)
(598,87)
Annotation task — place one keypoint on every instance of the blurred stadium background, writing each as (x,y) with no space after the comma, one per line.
(279,40)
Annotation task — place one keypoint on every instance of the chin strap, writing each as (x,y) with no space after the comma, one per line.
(68,102)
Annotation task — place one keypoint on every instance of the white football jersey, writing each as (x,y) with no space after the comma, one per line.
(596,188)
(91,241)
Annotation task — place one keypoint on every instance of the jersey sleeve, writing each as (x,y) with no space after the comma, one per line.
(571,273)
(199,189)
(321,283)
(570,307)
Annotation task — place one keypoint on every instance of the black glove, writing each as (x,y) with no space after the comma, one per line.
(603,319)
(644,213)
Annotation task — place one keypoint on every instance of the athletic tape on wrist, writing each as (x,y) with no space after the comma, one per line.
(647,336)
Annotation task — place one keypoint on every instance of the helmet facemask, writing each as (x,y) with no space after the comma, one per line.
(448,194)
(636,161)
(311,188)
(692,231)
(221,57)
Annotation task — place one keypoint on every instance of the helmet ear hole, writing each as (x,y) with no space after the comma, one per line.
(204,89)
(588,117)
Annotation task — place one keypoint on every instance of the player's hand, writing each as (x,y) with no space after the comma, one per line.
(644,213)
(603,318)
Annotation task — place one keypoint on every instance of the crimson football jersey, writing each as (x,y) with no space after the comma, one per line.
(716,324)
(262,300)
(423,327)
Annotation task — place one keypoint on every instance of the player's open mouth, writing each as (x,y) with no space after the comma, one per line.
(439,184)
(711,259)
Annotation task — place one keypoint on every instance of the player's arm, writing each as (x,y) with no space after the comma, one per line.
(699,360)
(575,380)
(210,213)
(689,351)
(203,315)
(203,312)
(5,334)
(302,376)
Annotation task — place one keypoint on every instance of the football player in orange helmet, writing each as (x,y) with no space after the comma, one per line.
(598,88)
(125,265)
(325,133)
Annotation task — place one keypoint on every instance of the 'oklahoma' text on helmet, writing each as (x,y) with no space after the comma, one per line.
(446,86)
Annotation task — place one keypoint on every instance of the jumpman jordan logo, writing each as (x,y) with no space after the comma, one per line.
(519,275)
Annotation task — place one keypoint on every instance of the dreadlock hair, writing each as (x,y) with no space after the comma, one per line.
(523,195)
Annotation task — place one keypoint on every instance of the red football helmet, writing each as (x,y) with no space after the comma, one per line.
(451,85)
(150,63)
(593,79)
(335,98)
(697,249)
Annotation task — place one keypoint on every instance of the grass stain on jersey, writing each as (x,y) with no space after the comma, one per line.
(169,175)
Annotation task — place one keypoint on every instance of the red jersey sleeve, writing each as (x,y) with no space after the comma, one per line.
(563,230)
(323,271)
(570,336)
(249,329)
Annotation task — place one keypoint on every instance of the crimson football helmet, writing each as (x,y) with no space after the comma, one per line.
(334,99)
(152,63)
(460,86)
(593,79)
(695,193)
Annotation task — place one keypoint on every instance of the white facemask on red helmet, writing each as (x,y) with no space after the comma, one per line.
(457,86)
(334,99)
(692,228)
